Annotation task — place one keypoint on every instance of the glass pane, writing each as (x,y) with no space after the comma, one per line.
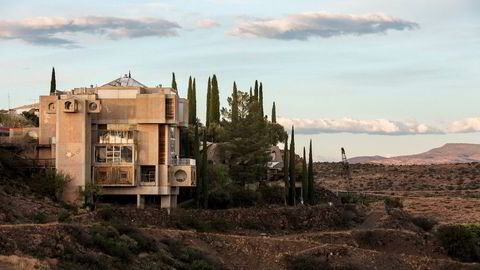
(109,148)
(130,137)
(100,154)
(127,154)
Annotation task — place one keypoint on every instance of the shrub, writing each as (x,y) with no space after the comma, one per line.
(461,241)
(202,265)
(51,184)
(244,197)
(424,222)
(272,195)
(40,217)
(307,262)
(63,215)
(392,203)
(349,197)
(219,199)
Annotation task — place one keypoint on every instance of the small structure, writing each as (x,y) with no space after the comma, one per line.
(123,136)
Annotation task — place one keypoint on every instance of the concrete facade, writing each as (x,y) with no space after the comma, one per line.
(122,136)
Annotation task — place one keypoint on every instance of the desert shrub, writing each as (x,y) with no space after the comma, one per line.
(108,240)
(202,265)
(307,262)
(218,176)
(220,199)
(220,225)
(392,203)
(193,258)
(425,223)
(461,241)
(106,214)
(63,215)
(272,195)
(51,184)
(349,197)
(243,197)
(145,243)
(40,217)
(370,238)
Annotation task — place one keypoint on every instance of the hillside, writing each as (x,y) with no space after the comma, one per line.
(447,154)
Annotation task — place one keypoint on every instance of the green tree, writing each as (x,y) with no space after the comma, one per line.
(193,112)
(204,172)
(209,105)
(304,178)
(285,169)
(53,83)
(196,155)
(310,175)
(291,192)
(234,105)
(190,101)
(274,114)
(260,100)
(256,91)
(215,102)
(243,103)
(174,83)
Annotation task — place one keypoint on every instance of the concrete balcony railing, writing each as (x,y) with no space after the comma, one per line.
(183,162)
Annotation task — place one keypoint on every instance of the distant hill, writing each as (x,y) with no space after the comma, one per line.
(449,153)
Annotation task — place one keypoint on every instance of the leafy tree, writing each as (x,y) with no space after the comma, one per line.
(209,105)
(32,117)
(274,113)
(310,175)
(304,177)
(174,83)
(215,102)
(234,105)
(291,192)
(243,103)
(276,133)
(205,173)
(53,83)
(260,100)
(285,169)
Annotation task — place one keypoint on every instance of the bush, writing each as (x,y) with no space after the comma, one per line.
(425,223)
(202,265)
(219,199)
(461,241)
(50,184)
(40,218)
(349,197)
(272,195)
(63,215)
(307,262)
(392,203)
(244,198)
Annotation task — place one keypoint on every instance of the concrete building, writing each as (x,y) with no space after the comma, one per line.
(122,136)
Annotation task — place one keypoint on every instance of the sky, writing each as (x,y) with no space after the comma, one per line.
(376,77)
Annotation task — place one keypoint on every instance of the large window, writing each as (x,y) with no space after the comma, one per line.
(113,154)
(171,142)
(115,136)
(147,174)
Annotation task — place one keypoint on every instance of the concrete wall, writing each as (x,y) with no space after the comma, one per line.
(48,119)
(147,145)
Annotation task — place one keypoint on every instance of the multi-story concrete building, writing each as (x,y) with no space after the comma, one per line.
(122,136)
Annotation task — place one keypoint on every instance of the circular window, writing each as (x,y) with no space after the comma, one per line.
(93,106)
(51,106)
(180,175)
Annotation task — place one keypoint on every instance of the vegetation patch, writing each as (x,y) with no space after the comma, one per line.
(461,241)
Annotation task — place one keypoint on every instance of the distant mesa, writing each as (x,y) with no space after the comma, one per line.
(449,153)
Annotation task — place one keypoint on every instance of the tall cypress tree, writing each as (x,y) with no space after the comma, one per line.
(234,105)
(274,113)
(174,83)
(215,117)
(291,193)
(196,151)
(304,178)
(209,105)
(285,169)
(53,83)
(256,91)
(190,101)
(205,172)
(260,100)
(310,176)
(193,112)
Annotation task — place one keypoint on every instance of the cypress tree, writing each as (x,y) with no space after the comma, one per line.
(209,93)
(260,100)
(285,169)
(174,83)
(53,83)
(234,105)
(304,178)
(215,117)
(310,176)
(250,96)
(256,91)
(198,188)
(291,193)
(190,101)
(193,112)
(274,113)
(205,172)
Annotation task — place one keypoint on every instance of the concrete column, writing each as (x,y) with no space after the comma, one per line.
(173,201)
(165,201)
(140,201)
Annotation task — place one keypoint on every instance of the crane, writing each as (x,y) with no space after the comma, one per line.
(346,173)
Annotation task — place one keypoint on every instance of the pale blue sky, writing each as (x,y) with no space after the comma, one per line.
(428,75)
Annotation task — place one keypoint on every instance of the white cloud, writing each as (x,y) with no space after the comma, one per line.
(303,26)
(52,31)
(349,125)
(467,125)
(207,23)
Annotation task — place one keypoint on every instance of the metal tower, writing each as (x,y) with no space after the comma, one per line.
(345,167)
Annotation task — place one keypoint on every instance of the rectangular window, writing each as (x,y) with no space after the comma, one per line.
(169,108)
(113,154)
(101,154)
(147,174)
(127,154)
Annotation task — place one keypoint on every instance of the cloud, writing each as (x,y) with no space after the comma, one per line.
(56,31)
(207,23)
(467,125)
(349,125)
(303,26)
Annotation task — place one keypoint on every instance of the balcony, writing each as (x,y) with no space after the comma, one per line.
(183,162)
(182,172)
